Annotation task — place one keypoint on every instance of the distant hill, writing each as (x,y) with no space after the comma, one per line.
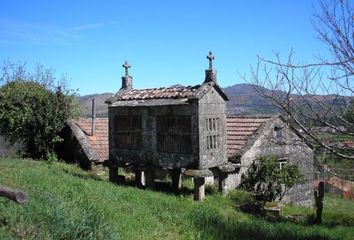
(85,103)
(243,100)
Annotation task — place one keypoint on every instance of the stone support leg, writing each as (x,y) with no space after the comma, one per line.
(176,180)
(150,179)
(139,178)
(199,188)
(222,183)
(113,174)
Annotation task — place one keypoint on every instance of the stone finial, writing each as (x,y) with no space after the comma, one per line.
(210,74)
(126,66)
(127,81)
(210,57)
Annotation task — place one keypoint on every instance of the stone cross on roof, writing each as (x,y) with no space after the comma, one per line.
(210,57)
(126,66)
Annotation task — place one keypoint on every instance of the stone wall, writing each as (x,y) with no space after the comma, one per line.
(289,147)
(148,153)
(212,111)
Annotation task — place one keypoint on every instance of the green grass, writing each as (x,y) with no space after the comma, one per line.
(336,212)
(68,203)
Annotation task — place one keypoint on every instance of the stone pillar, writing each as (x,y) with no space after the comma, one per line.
(223,189)
(150,178)
(223,173)
(176,180)
(199,189)
(139,178)
(199,176)
(113,174)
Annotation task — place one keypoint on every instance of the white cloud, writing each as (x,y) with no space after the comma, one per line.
(87,26)
(20,32)
(41,34)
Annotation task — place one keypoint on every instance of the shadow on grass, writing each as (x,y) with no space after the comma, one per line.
(83,175)
(215,226)
(160,186)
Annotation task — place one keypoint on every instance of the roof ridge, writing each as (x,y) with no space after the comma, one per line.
(249,116)
(171,87)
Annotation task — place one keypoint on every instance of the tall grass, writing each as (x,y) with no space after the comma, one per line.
(67,203)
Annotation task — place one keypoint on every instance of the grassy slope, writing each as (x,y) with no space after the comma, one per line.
(67,203)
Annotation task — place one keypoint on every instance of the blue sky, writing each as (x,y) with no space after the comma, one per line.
(166,42)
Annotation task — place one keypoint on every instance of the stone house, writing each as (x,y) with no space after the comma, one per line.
(249,138)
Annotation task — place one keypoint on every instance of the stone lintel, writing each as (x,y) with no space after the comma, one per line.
(236,165)
(226,168)
(198,173)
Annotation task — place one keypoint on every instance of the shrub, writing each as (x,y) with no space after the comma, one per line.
(34,109)
(268,181)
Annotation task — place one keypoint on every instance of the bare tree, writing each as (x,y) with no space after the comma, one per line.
(321,93)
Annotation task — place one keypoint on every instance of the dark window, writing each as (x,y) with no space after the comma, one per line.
(212,133)
(127,132)
(174,134)
(278,132)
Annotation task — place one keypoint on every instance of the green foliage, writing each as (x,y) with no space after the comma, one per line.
(34,109)
(244,201)
(68,203)
(268,181)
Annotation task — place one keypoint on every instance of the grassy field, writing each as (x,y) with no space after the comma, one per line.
(68,203)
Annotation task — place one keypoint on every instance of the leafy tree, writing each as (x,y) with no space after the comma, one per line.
(34,108)
(268,181)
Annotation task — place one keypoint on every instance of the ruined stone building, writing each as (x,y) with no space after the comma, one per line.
(249,138)
(184,130)
(85,142)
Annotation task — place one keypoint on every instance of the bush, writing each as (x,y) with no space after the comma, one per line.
(34,109)
(268,181)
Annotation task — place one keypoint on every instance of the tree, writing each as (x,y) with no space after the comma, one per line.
(34,108)
(268,180)
(320,93)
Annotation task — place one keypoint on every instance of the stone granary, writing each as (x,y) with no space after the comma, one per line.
(179,129)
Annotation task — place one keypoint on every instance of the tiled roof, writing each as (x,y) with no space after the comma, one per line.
(99,141)
(158,93)
(239,129)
